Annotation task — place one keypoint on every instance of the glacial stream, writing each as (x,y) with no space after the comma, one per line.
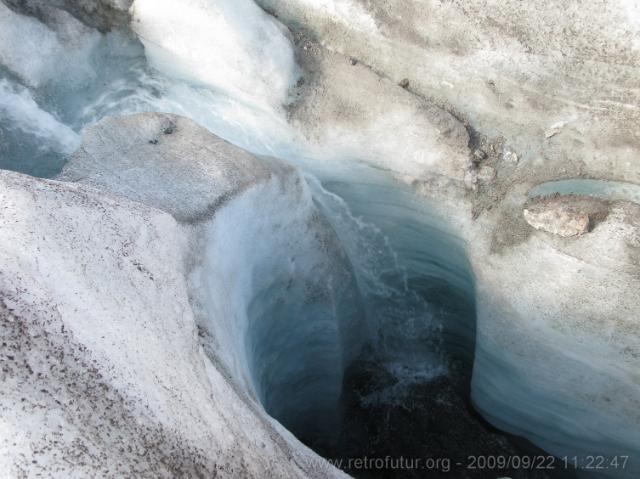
(386,367)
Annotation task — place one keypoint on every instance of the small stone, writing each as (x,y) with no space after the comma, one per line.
(557,219)
(510,156)
(471,180)
(554,129)
(486,174)
(479,154)
(354,61)
(404,83)
(551,132)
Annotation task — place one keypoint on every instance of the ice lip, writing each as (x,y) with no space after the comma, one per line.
(168,162)
(281,293)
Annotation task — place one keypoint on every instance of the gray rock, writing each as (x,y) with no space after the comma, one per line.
(558,219)
(510,157)
(486,174)
(479,155)
(471,179)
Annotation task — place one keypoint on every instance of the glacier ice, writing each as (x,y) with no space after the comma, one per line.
(276,294)
(283,291)
(394,178)
(104,372)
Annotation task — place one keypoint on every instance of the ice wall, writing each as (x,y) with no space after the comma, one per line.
(104,373)
(276,298)
(276,284)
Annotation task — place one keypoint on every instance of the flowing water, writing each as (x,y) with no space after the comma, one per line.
(394,338)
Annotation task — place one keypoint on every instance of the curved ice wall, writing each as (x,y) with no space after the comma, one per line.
(274,282)
(275,295)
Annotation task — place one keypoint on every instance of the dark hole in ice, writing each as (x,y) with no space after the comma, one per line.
(391,419)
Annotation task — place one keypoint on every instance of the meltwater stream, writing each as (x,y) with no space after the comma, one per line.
(376,365)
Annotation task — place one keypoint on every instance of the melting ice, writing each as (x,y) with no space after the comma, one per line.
(296,306)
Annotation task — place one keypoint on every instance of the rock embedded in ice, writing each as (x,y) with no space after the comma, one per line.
(557,217)
(479,155)
(570,308)
(510,157)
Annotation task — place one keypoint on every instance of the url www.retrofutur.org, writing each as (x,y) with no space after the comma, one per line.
(443,464)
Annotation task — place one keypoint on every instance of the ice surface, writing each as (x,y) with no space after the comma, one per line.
(230,66)
(98,310)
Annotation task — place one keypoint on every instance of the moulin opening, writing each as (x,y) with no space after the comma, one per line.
(395,380)
(399,383)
